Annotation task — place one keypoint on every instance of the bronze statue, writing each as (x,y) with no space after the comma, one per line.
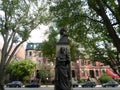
(62,75)
(62,67)
(63,37)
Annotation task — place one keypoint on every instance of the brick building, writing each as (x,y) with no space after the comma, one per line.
(82,68)
(19,54)
(36,56)
(85,69)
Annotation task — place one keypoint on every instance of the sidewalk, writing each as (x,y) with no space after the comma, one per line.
(53,86)
(47,85)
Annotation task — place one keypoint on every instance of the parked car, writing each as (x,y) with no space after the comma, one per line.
(89,84)
(110,84)
(33,85)
(74,83)
(14,84)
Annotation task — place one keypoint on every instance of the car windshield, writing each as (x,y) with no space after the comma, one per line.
(34,82)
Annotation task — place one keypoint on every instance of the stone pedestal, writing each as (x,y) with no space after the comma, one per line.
(63,67)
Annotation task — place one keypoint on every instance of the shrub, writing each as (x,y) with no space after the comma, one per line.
(105,78)
(80,80)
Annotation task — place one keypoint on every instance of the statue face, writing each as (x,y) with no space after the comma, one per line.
(62,31)
(62,50)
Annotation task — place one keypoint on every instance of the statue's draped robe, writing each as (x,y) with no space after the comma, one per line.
(62,75)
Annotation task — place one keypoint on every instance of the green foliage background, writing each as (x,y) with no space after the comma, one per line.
(21,70)
(105,78)
(94,25)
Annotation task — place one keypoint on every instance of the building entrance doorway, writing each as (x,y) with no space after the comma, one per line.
(92,74)
(73,73)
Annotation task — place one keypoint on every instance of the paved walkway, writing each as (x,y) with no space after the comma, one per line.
(53,86)
(79,86)
(47,85)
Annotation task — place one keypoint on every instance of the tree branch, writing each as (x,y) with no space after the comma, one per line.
(12,41)
(113,12)
(107,23)
(12,54)
(118,3)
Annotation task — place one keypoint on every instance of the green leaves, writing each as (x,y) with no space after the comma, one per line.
(93,24)
(20,15)
(21,69)
(63,11)
(48,48)
(105,78)
(18,19)
(24,34)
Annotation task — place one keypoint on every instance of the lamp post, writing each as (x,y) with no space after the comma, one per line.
(47,80)
(62,63)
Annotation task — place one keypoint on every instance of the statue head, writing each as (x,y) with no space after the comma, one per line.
(63,32)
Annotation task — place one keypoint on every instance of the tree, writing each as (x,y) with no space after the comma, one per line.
(18,19)
(45,74)
(94,24)
(109,18)
(38,76)
(109,13)
(105,78)
(48,47)
(19,70)
(51,44)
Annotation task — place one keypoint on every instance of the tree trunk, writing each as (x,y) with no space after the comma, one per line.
(112,33)
(2,87)
(1,82)
(1,78)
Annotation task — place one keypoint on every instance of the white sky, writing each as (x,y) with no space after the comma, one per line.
(38,35)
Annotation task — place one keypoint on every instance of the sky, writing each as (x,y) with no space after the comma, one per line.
(38,35)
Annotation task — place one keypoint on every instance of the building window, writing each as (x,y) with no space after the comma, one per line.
(39,62)
(82,62)
(30,53)
(88,62)
(40,54)
(83,73)
(44,60)
(97,74)
(73,73)
(94,63)
(103,71)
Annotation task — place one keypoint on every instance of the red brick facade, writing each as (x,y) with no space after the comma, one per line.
(85,68)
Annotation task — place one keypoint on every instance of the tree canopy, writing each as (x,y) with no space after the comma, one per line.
(94,24)
(20,70)
(17,19)
(48,47)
